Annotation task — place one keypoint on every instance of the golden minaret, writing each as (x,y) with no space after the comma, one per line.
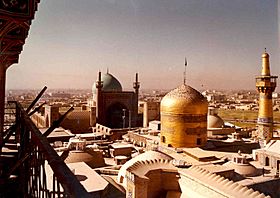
(265,84)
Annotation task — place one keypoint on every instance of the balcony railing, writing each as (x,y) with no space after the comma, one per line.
(32,154)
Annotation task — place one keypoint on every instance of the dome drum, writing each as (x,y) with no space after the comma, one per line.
(177,133)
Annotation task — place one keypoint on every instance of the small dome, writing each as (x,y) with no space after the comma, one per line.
(110,83)
(242,169)
(184,99)
(240,164)
(214,121)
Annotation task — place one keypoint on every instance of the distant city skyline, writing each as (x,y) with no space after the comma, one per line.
(222,40)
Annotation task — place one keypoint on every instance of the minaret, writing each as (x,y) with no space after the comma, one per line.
(265,84)
(136,84)
(99,85)
(134,112)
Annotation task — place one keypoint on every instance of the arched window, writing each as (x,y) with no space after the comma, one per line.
(163,139)
(267,161)
(121,180)
(198,141)
(47,121)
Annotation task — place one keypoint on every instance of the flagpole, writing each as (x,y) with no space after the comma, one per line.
(185,71)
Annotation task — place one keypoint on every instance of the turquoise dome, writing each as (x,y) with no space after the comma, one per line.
(110,84)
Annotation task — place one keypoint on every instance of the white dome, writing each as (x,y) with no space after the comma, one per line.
(149,155)
(214,121)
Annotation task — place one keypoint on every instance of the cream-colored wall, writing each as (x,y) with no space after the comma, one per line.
(151,111)
(137,187)
(153,184)
(192,188)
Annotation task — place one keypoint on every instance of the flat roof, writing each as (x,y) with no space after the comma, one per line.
(89,178)
(121,145)
(89,135)
(198,153)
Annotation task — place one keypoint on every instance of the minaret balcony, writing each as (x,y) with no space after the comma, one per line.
(266,84)
(99,84)
(266,81)
(136,85)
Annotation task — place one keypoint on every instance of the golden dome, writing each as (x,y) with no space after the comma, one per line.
(183,114)
(184,99)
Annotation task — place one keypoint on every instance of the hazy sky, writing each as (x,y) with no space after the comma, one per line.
(223,40)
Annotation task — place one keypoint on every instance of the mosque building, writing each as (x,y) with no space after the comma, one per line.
(115,108)
(109,107)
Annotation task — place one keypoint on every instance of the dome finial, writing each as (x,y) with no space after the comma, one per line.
(107,70)
(265,50)
(186,63)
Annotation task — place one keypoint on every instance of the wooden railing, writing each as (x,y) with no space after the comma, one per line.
(38,170)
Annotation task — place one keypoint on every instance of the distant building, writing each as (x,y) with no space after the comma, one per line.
(59,95)
(150,110)
(214,96)
(78,121)
(109,106)
(269,155)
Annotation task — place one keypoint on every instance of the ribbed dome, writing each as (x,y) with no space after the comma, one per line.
(148,155)
(110,83)
(184,99)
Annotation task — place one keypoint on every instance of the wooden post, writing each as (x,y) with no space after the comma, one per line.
(2,99)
